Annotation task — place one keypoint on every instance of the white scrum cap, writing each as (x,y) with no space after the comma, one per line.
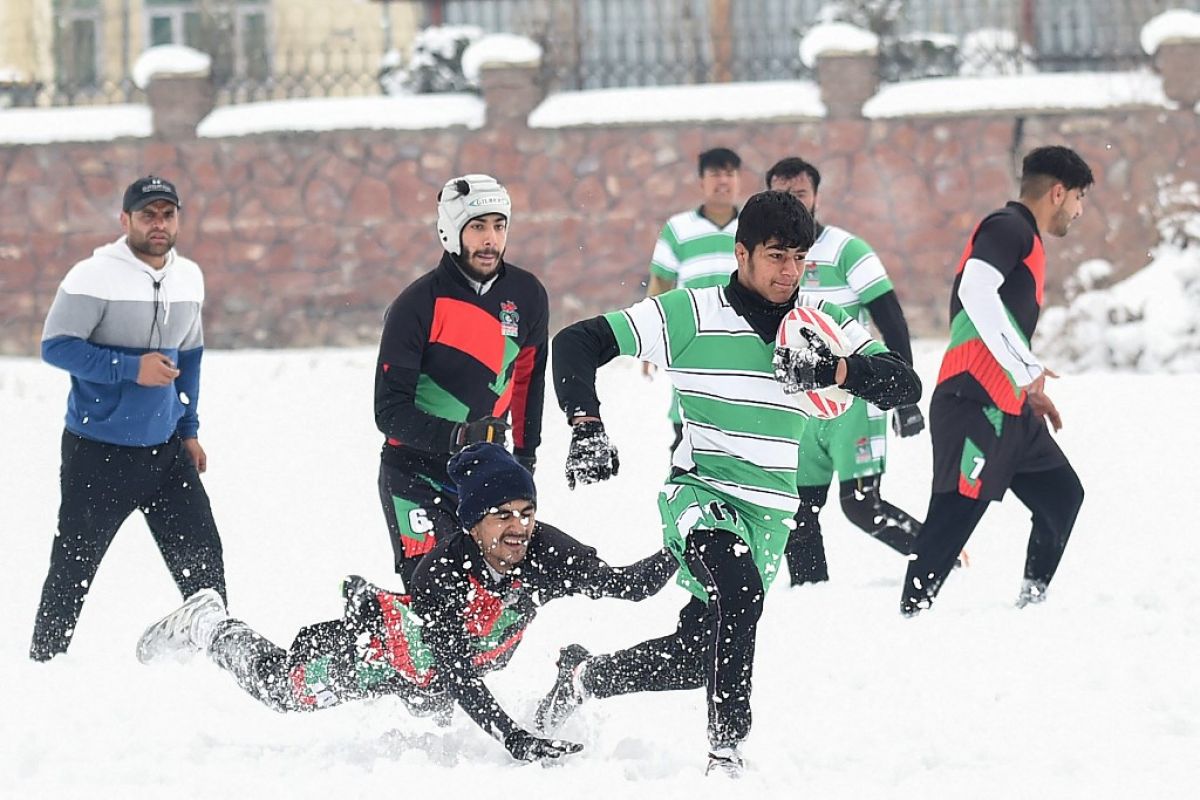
(462,200)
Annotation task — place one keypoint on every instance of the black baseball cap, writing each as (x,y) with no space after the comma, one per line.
(147,190)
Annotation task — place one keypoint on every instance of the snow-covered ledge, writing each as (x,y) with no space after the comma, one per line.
(1172,39)
(847,62)
(178,87)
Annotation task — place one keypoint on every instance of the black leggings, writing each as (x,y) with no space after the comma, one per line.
(713,645)
(1053,496)
(102,484)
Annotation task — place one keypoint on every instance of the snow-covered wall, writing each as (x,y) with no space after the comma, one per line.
(306,234)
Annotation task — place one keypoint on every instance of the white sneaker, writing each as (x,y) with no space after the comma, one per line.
(725,762)
(186,631)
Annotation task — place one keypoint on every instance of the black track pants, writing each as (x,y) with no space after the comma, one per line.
(102,484)
(1053,496)
(713,645)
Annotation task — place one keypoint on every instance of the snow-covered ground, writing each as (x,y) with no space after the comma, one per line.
(1093,695)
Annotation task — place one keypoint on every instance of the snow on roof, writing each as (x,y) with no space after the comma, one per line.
(75,124)
(702,103)
(1170,26)
(403,112)
(169,59)
(835,37)
(499,48)
(1065,91)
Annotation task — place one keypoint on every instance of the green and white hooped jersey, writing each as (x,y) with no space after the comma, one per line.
(740,431)
(844,270)
(692,252)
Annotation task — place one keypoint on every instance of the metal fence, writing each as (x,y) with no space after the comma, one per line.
(614,43)
(609,43)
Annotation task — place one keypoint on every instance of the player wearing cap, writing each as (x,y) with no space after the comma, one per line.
(125,323)
(463,352)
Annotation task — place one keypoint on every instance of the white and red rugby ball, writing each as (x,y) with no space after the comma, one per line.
(832,401)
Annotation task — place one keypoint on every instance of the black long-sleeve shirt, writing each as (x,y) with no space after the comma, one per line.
(449,354)
(473,621)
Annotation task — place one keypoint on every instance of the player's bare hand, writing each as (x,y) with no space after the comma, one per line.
(1041,404)
(648,370)
(156,369)
(196,453)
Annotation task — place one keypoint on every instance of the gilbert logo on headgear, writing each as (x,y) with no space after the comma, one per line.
(463,199)
(146,190)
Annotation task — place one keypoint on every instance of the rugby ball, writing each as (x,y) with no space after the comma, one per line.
(832,401)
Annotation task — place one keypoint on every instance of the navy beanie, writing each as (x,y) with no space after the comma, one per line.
(487,477)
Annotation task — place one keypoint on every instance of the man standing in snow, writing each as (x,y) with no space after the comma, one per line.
(463,347)
(727,507)
(989,411)
(126,325)
(695,247)
(843,269)
(469,604)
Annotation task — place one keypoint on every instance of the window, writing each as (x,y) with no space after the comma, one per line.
(234,33)
(77,38)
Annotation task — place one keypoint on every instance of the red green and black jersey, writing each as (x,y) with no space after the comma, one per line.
(449,354)
(471,620)
(1008,241)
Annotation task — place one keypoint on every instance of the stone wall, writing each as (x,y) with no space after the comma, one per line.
(305,238)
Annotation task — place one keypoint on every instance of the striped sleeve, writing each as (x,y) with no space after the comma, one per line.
(665,261)
(641,331)
(865,273)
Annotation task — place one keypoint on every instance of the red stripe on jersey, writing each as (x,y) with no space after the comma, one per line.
(470,329)
(1036,262)
(973,358)
(519,388)
(966,253)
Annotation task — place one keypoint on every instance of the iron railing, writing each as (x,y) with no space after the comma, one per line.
(614,43)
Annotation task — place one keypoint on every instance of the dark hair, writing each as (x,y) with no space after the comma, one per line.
(778,216)
(719,158)
(1045,166)
(790,167)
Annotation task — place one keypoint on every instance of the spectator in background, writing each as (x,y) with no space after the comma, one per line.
(126,325)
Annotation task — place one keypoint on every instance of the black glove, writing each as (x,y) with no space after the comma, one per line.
(812,366)
(908,421)
(484,429)
(592,458)
(524,746)
(528,462)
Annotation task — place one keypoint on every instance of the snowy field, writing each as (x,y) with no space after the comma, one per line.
(1093,695)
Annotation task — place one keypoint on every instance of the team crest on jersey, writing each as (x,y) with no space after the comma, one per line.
(812,276)
(862,450)
(509,318)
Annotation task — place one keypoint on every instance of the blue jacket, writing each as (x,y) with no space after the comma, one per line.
(110,310)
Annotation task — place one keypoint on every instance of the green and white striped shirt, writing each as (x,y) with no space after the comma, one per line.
(740,430)
(844,270)
(692,252)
